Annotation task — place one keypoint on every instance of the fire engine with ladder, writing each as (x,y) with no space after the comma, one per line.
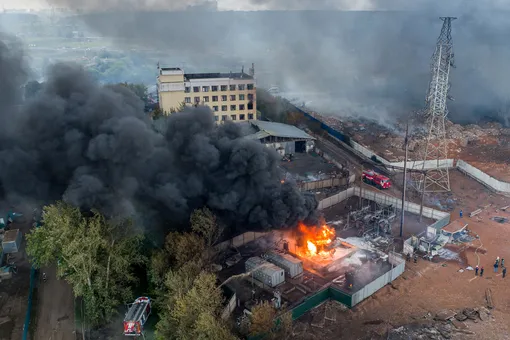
(378,180)
(136,316)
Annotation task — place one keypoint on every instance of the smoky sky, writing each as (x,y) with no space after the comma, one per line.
(95,147)
(373,63)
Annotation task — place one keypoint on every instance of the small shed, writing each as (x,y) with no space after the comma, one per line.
(12,241)
(265,272)
(292,266)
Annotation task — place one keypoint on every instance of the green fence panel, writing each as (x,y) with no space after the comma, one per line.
(310,303)
(340,296)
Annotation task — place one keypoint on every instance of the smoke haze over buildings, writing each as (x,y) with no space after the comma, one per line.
(372,63)
(97,148)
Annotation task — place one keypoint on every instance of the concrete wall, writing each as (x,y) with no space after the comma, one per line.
(327,183)
(240,240)
(483,178)
(229,307)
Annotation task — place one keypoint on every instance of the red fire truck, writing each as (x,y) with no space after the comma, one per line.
(373,178)
(136,316)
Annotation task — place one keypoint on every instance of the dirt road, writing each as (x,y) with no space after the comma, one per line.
(55,308)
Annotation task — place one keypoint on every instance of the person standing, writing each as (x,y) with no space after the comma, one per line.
(495,267)
(502,263)
(461,213)
(415,258)
(481,272)
(504,272)
(476,270)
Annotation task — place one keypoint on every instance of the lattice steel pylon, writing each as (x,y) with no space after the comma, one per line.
(436,178)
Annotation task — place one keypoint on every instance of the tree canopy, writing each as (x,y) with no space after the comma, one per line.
(190,300)
(95,256)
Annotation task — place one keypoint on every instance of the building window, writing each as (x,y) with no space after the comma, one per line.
(241,107)
(233,117)
(250,106)
(187,89)
(223,87)
(187,100)
(241,97)
(223,118)
(250,116)
(241,117)
(232,97)
(215,108)
(205,88)
(214,88)
(250,86)
(197,99)
(223,98)
(232,87)
(224,108)
(196,88)
(216,118)
(250,96)
(241,87)
(214,98)
(232,107)
(206,99)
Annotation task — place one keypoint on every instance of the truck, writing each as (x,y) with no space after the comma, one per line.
(373,178)
(136,316)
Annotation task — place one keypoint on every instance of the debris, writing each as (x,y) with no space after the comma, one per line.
(474,213)
(469,268)
(461,270)
(459,324)
(461,316)
(471,313)
(488,297)
(500,219)
(444,315)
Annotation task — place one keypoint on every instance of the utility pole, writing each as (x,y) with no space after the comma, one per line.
(406,143)
(360,186)
(437,177)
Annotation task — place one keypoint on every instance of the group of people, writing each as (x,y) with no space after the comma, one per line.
(498,263)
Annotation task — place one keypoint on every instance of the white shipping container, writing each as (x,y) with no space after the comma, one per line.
(265,272)
(292,266)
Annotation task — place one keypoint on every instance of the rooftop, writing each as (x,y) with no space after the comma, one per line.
(266,129)
(231,75)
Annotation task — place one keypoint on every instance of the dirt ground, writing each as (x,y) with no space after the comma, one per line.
(55,308)
(427,288)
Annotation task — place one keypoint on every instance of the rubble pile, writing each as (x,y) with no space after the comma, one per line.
(368,133)
(444,325)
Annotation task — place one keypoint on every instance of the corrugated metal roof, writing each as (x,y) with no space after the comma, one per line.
(279,130)
(258,135)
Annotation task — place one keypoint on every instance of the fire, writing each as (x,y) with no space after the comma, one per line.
(317,239)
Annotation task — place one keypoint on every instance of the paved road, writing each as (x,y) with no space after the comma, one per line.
(354,164)
(55,309)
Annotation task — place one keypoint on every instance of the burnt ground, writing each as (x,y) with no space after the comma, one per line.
(427,288)
(14,291)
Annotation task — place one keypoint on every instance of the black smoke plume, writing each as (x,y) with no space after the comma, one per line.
(94,146)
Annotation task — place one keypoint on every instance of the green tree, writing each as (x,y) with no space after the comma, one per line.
(265,320)
(95,256)
(190,301)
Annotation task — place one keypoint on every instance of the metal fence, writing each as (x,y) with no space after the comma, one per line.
(325,183)
(240,240)
(335,199)
(399,266)
(482,177)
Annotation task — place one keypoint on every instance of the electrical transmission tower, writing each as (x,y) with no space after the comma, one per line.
(435,176)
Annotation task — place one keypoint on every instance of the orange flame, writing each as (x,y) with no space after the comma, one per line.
(316,239)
